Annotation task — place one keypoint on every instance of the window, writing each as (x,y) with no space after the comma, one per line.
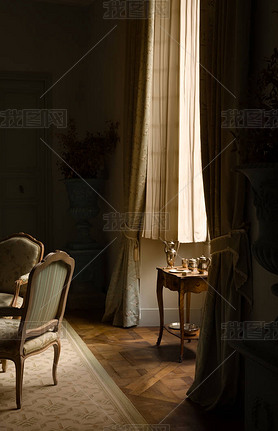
(174,191)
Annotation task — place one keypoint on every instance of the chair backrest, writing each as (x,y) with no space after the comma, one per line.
(46,295)
(19,253)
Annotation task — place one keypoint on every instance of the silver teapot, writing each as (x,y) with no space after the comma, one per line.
(203,263)
(171,249)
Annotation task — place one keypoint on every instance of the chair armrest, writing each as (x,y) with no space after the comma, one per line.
(24,278)
(22,281)
(10,311)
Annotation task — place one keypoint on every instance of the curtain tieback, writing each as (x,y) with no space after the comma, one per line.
(132,235)
(227,242)
(237,243)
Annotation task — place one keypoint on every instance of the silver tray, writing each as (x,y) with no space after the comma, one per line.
(189,328)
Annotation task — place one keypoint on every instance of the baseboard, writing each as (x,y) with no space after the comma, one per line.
(150,316)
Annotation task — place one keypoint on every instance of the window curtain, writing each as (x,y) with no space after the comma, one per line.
(122,301)
(175,205)
(225,27)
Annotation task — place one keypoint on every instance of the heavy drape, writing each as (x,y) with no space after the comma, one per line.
(122,301)
(224,67)
(175,205)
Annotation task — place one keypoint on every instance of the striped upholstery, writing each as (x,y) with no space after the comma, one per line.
(46,299)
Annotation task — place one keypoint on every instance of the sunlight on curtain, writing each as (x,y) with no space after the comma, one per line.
(175,206)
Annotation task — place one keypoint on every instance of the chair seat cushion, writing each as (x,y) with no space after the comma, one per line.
(6,300)
(8,335)
(39,343)
(8,338)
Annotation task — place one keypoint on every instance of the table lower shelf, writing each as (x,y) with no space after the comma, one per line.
(176,333)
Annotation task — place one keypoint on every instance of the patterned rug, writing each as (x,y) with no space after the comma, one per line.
(86,398)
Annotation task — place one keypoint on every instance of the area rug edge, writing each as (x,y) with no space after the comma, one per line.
(123,403)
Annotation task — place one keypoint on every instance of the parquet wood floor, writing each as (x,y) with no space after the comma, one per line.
(150,376)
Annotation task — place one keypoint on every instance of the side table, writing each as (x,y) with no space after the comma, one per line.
(183,284)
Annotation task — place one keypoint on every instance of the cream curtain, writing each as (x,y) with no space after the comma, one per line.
(122,301)
(175,207)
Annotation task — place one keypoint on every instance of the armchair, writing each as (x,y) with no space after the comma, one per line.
(19,253)
(41,316)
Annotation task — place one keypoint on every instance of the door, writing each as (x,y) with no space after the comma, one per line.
(24,160)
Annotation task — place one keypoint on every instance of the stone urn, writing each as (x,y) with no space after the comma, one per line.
(83,200)
(264,181)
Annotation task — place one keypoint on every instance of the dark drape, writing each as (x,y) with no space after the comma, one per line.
(122,301)
(224,72)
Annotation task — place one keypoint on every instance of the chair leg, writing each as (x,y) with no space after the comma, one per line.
(57,350)
(4,365)
(19,367)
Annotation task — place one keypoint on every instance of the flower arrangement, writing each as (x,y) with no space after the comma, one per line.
(87,156)
(261,144)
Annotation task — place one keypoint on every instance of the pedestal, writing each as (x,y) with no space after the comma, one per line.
(261,383)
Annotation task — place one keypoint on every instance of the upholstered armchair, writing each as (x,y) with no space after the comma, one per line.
(19,253)
(41,316)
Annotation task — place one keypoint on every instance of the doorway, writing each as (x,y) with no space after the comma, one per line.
(25,168)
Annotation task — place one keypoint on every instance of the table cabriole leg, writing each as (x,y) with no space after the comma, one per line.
(188,301)
(181,313)
(159,289)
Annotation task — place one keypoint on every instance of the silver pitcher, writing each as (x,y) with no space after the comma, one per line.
(203,264)
(171,249)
